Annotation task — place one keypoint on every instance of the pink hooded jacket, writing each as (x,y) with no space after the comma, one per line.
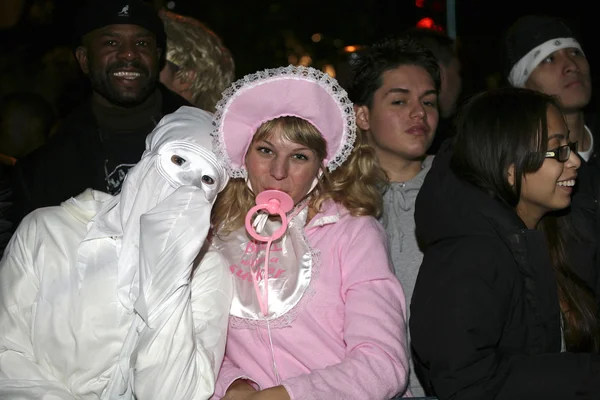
(349,340)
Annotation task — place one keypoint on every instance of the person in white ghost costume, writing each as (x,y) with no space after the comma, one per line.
(118,297)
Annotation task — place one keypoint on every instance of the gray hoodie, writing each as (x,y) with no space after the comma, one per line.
(398,220)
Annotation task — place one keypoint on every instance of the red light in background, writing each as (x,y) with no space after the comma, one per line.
(420,3)
(428,23)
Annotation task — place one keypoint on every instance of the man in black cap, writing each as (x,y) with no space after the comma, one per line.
(542,54)
(119,47)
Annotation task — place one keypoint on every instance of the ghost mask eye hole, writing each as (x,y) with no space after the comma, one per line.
(208,180)
(175,159)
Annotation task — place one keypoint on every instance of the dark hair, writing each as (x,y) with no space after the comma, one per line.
(387,55)
(441,45)
(500,128)
(496,129)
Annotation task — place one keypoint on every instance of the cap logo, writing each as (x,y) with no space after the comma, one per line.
(124,12)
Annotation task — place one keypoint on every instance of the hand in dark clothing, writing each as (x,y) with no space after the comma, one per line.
(485,316)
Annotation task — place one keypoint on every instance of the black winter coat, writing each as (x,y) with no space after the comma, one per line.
(485,320)
(74,159)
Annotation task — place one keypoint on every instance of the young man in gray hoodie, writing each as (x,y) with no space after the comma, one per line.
(395,93)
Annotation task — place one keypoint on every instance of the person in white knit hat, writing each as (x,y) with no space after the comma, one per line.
(543,54)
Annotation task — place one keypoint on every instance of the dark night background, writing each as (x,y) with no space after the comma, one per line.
(268,33)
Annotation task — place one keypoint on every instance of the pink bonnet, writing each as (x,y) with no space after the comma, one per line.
(297,91)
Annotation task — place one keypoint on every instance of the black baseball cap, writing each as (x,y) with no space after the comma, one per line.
(96,14)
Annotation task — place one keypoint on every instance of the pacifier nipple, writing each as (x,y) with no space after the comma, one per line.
(274,202)
(273,206)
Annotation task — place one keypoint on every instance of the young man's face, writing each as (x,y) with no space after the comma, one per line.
(122,63)
(403,117)
(566,74)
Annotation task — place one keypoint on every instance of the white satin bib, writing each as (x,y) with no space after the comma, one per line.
(291,267)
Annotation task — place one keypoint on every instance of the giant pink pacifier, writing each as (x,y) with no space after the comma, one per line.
(274,202)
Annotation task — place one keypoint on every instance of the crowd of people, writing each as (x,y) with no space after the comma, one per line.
(186,235)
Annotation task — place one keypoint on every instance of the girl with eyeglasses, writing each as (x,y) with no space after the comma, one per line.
(504,306)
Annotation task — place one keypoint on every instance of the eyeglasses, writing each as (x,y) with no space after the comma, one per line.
(562,153)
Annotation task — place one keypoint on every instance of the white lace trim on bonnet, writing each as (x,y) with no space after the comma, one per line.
(336,157)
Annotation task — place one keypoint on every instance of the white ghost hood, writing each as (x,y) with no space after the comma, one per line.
(183,145)
(178,156)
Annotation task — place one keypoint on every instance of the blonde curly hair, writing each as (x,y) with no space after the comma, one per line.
(355,184)
(191,46)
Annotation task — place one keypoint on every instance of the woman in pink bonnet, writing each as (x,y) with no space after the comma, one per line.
(317,313)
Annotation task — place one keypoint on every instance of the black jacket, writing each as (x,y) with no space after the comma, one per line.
(485,320)
(592,121)
(74,159)
(590,171)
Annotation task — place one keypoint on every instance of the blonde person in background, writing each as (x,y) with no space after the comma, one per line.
(198,66)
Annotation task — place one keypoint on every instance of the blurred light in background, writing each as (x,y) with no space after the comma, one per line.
(293,59)
(425,23)
(429,23)
(316,37)
(329,69)
(305,60)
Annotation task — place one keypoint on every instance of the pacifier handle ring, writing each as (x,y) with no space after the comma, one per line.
(276,235)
